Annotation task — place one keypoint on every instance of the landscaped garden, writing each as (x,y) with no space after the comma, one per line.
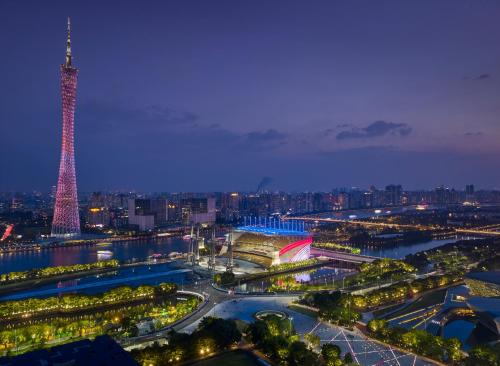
(114,312)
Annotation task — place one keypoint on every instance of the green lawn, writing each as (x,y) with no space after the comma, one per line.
(431,298)
(228,359)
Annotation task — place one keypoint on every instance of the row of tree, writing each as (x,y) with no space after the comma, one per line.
(55,271)
(384,269)
(73,302)
(120,323)
(336,246)
(335,307)
(292,265)
(402,290)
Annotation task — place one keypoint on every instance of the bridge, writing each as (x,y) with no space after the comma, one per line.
(342,256)
(317,219)
(480,231)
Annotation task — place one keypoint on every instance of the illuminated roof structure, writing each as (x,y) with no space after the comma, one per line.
(270,246)
(271,231)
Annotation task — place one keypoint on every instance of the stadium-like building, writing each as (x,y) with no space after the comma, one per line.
(270,246)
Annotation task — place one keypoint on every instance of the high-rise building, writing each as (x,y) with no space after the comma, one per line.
(229,205)
(66,221)
(147,213)
(469,192)
(198,211)
(394,194)
(98,214)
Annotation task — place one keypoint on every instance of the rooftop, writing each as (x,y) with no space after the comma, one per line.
(271,231)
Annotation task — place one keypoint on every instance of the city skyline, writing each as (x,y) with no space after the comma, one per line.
(321,97)
(250,183)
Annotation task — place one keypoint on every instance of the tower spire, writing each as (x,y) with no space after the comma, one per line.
(68,45)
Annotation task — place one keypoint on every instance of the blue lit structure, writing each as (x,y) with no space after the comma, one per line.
(270,241)
(271,231)
(273,226)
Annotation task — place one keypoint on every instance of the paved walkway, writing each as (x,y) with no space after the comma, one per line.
(364,351)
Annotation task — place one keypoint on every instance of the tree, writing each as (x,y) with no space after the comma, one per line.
(300,355)
(331,354)
(453,346)
(259,332)
(224,332)
(348,358)
(484,356)
(312,339)
(376,325)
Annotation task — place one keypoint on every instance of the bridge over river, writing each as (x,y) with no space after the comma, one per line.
(316,218)
(342,256)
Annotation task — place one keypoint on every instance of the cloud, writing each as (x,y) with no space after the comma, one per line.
(376,129)
(268,139)
(108,117)
(483,76)
(478,77)
(156,131)
(477,133)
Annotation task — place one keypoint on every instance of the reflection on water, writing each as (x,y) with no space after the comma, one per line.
(401,251)
(123,251)
(326,275)
(143,275)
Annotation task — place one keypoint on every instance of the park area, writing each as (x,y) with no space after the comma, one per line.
(240,358)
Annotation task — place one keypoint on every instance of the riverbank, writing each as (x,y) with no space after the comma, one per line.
(128,251)
(37,282)
(69,314)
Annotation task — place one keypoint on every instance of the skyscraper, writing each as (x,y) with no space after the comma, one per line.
(393,193)
(66,222)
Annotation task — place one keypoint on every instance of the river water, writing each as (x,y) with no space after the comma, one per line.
(123,251)
(399,252)
(141,249)
(143,275)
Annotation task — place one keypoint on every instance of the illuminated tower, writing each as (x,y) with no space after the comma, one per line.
(66,222)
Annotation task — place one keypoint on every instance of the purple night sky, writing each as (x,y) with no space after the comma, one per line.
(214,95)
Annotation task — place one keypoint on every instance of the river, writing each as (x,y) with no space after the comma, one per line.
(400,251)
(141,249)
(64,256)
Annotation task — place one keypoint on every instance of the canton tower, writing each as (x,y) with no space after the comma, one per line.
(66,222)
